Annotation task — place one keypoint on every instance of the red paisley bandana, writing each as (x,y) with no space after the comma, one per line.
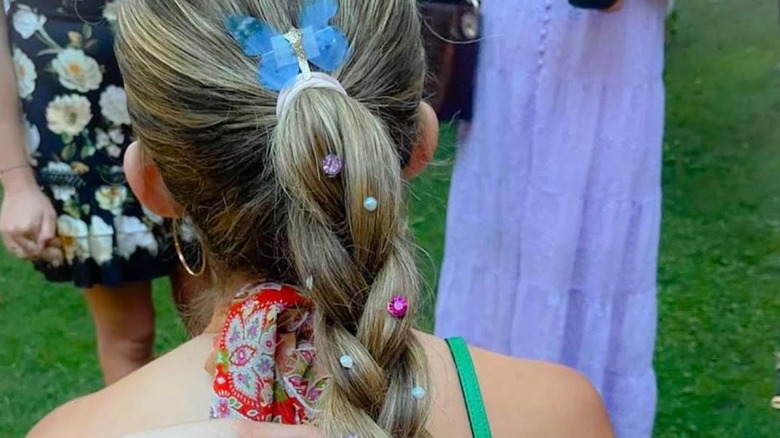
(265,358)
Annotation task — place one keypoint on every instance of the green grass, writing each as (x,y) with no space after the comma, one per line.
(720,254)
(720,259)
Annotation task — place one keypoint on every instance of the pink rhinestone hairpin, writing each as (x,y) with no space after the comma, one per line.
(397,307)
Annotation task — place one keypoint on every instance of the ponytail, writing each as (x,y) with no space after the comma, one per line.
(359,261)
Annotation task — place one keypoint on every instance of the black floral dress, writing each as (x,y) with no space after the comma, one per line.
(78,126)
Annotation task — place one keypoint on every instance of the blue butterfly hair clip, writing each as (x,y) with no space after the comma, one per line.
(286,56)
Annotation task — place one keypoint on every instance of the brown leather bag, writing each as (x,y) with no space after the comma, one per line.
(451,30)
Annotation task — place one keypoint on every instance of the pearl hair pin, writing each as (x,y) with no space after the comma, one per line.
(371,204)
(346,361)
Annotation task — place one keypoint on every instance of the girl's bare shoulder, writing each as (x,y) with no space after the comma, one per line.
(538,398)
(173,389)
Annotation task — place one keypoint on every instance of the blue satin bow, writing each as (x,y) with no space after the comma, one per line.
(285,56)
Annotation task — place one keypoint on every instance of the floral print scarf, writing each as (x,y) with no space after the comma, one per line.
(264,358)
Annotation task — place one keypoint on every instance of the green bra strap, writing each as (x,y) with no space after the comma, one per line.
(480,427)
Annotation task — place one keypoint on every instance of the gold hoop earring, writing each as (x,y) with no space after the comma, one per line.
(180,253)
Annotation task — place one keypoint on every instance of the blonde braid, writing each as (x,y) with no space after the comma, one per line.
(359,261)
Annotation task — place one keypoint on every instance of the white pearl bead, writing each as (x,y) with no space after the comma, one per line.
(309,282)
(346,361)
(371,204)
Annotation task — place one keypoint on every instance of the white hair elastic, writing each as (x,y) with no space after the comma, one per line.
(303,82)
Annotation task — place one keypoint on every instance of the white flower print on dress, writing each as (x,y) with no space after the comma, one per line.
(73,236)
(60,193)
(113,106)
(154,217)
(132,234)
(112,198)
(105,140)
(187,230)
(77,71)
(101,240)
(26,22)
(116,135)
(117,170)
(110,11)
(114,151)
(68,114)
(33,141)
(102,140)
(25,74)
(63,193)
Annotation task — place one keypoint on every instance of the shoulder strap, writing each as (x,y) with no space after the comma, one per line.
(469,384)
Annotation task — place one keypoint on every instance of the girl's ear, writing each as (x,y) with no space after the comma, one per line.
(147,184)
(425,148)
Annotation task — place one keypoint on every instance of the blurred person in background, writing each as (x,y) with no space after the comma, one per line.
(66,206)
(555,206)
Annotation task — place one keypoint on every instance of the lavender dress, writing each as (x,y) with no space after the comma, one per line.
(554,212)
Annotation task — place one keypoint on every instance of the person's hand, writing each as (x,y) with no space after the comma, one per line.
(231,429)
(27,222)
